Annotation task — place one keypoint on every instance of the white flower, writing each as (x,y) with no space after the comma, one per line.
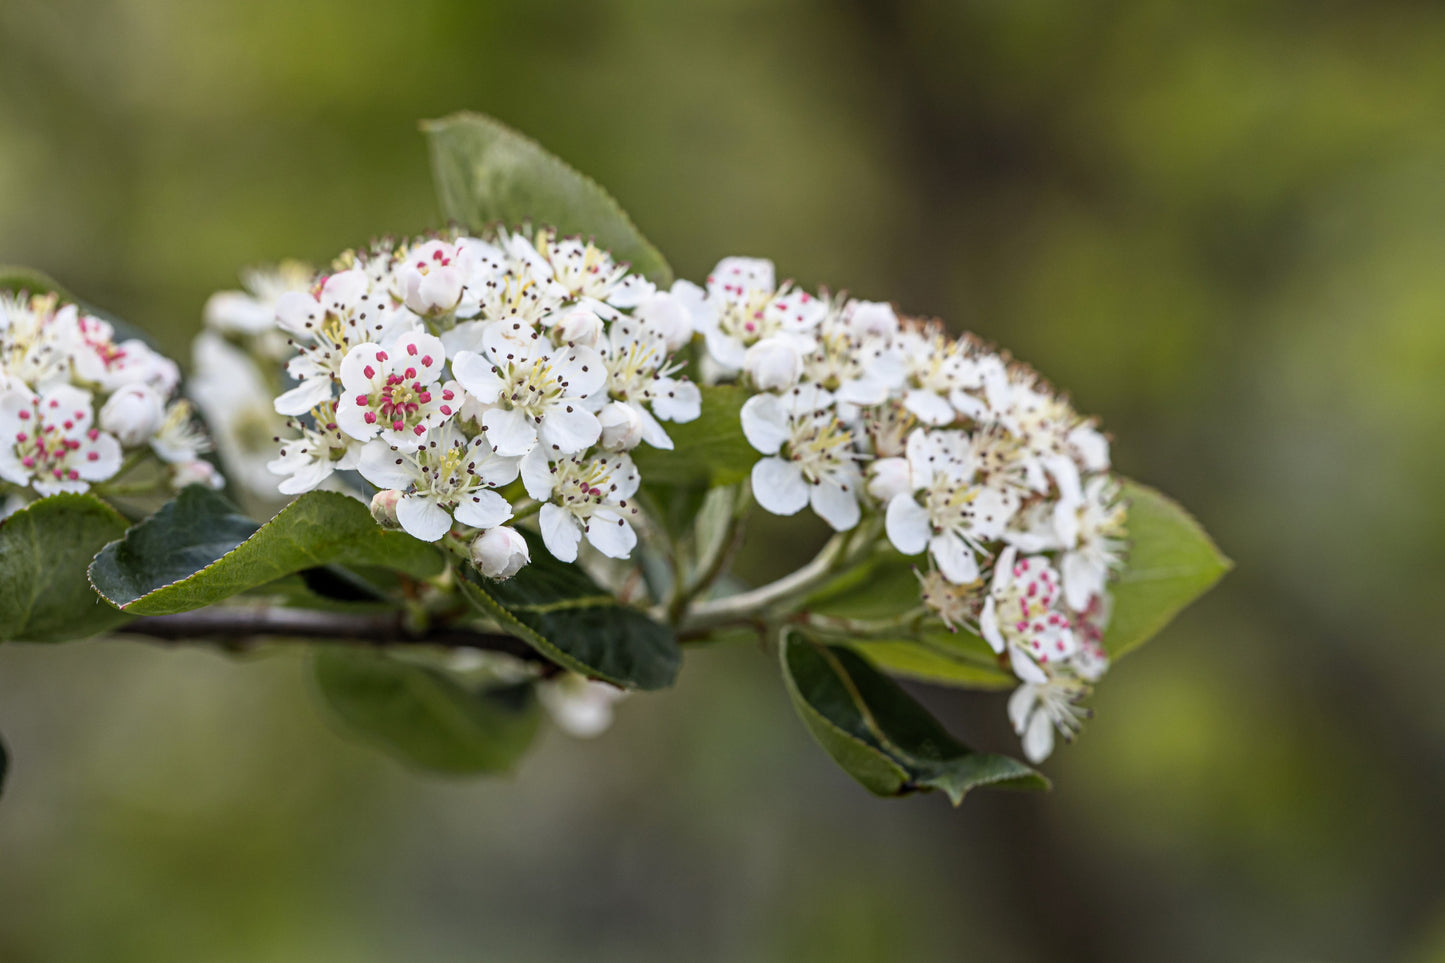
(534,392)
(940,373)
(590,275)
(344,313)
(36,341)
(583,496)
(1021,615)
(812,457)
(500,552)
(321,449)
(854,356)
(232,395)
(395,392)
(449,475)
(775,363)
(1098,546)
(510,279)
(196,472)
(101,361)
(432,276)
(579,326)
(179,438)
(253,310)
(959,512)
(133,414)
(744,306)
(889,478)
(621,426)
(48,441)
(383,508)
(640,376)
(1036,709)
(668,314)
(579,706)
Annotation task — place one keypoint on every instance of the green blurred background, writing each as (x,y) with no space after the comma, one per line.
(1221,225)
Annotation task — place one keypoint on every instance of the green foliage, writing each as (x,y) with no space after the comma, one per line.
(198,550)
(486,173)
(958,659)
(879,734)
(425,717)
(1171,562)
(559,611)
(44,550)
(708,450)
(14,279)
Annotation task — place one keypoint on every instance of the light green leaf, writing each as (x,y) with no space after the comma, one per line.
(710,450)
(1171,562)
(962,660)
(486,173)
(198,550)
(45,548)
(559,611)
(425,717)
(879,734)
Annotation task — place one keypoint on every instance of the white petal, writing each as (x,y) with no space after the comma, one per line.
(907,525)
(652,431)
(988,625)
(1083,580)
(610,534)
(568,429)
(422,518)
(351,418)
(1039,739)
(474,372)
(1026,668)
(106,462)
(385,468)
(537,475)
(466,336)
(1019,704)
(560,532)
(305,396)
(582,368)
(354,378)
(836,506)
(765,423)
(483,509)
(509,431)
(929,407)
(295,310)
(779,487)
(955,559)
(679,401)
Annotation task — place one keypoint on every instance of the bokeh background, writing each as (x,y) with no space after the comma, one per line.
(1221,225)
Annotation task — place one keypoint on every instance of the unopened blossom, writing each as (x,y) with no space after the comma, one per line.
(49,442)
(536,393)
(133,414)
(889,478)
(196,472)
(810,456)
(583,496)
(621,426)
(580,706)
(449,475)
(579,326)
(395,392)
(500,552)
(775,363)
(669,315)
(433,275)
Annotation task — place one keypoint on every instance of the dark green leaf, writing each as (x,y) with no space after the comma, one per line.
(44,550)
(1171,562)
(880,735)
(199,550)
(425,717)
(487,173)
(559,611)
(711,450)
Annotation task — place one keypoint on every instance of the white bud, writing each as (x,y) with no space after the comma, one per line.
(133,414)
(579,706)
(871,318)
(383,508)
(774,363)
(579,326)
(621,426)
(500,552)
(667,316)
(196,472)
(433,276)
(887,478)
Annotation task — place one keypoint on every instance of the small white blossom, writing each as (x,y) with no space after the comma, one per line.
(432,276)
(1021,615)
(775,363)
(196,472)
(48,441)
(500,552)
(580,706)
(133,414)
(321,449)
(583,496)
(1036,709)
(811,460)
(744,305)
(396,392)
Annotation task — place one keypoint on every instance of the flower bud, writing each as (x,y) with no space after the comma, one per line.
(579,326)
(579,706)
(500,552)
(621,426)
(887,478)
(383,508)
(133,414)
(196,472)
(667,316)
(433,275)
(774,363)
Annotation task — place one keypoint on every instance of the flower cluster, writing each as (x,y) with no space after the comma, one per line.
(444,369)
(79,405)
(974,463)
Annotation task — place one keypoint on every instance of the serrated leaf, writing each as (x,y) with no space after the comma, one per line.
(45,548)
(425,717)
(559,611)
(710,450)
(486,173)
(1171,562)
(199,549)
(879,734)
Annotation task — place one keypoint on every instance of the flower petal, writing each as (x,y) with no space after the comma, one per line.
(765,423)
(560,532)
(568,429)
(907,525)
(779,487)
(610,534)
(483,509)
(509,431)
(422,517)
(836,505)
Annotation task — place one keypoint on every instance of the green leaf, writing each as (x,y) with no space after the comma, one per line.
(710,450)
(14,279)
(559,611)
(1171,562)
(425,717)
(44,550)
(198,550)
(486,172)
(960,659)
(880,735)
